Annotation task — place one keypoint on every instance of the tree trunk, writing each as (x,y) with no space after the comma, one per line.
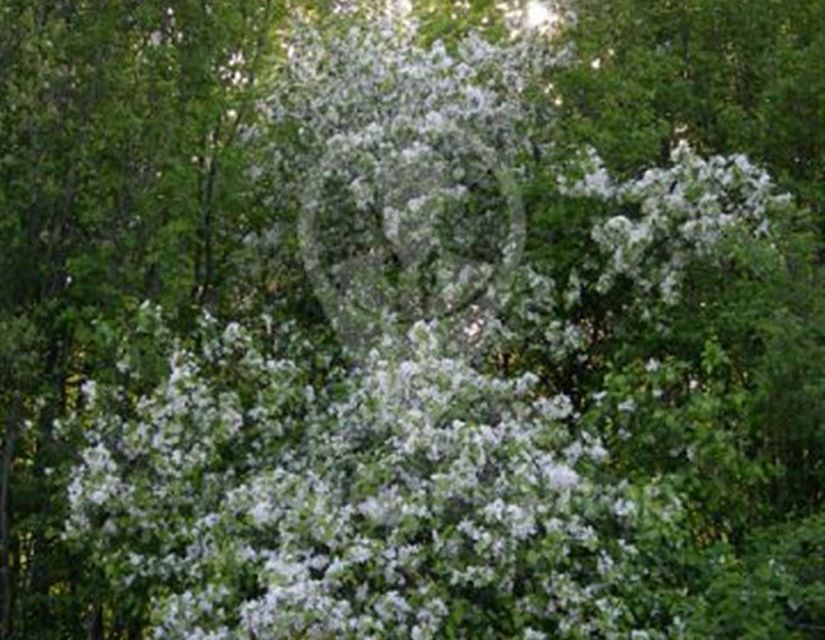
(9,438)
(96,624)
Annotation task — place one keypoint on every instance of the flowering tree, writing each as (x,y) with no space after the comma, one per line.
(402,162)
(415,495)
(422,497)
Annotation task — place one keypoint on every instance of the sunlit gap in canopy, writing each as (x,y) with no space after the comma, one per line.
(519,16)
(534,15)
(398,9)
(538,15)
(541,16)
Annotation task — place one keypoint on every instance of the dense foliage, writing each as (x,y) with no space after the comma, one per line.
(504,322)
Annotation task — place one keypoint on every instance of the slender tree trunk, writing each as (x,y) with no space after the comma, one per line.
(134,631)
(9,438)
(96,631)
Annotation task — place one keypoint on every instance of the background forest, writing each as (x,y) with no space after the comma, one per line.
(149,253)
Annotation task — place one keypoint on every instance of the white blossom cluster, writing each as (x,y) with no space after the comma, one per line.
(684,213)
(694,215)
(421,495)
(539,315)
(395,154)
(156,466)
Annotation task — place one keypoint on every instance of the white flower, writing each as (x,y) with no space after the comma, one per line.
(627,406)
(89,391)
